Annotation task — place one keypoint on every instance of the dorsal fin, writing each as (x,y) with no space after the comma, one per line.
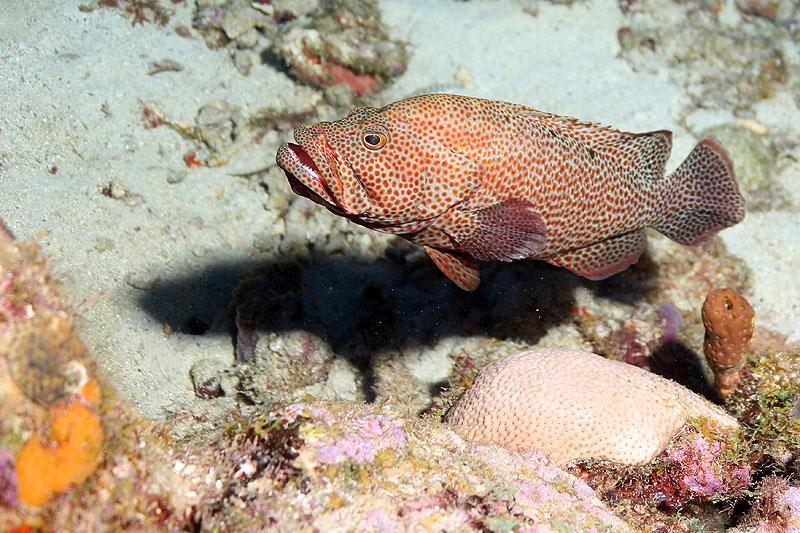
(644,154)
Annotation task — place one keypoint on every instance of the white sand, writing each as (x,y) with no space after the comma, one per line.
(72,87)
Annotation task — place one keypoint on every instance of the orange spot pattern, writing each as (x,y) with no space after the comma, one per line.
(581,193)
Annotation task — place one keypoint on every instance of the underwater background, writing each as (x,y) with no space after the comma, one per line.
(186,344)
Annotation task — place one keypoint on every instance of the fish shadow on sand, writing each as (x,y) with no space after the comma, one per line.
(362,306)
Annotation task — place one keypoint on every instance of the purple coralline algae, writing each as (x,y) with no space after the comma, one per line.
(776,508)
(791,508)
(701,471)
(528,495)
(527,484)
(9,488)
(379,520)
(702,463)
(365,438)
(374,469)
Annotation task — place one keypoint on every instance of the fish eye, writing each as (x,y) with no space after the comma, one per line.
(374,140)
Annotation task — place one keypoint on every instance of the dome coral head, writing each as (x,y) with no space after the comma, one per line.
(730,324)
(572,404)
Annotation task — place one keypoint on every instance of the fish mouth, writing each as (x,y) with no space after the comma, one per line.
(305,177)
(301,160)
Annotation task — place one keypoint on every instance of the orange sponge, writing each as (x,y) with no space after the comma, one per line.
(730,322)
(69,454)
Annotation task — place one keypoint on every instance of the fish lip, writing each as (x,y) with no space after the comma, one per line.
(300,160)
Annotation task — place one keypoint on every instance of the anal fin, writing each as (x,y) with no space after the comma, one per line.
(461,269)
(504,231)
(603,259)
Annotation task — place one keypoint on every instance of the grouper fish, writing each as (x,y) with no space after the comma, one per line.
(482,180)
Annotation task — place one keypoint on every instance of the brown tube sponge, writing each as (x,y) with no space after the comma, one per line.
(572,404)
(730,323)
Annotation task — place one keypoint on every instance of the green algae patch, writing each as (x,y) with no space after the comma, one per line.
(766,403)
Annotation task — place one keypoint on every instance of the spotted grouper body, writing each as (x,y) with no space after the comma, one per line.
(478,180)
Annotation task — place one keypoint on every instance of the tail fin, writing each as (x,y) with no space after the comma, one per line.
(703,197)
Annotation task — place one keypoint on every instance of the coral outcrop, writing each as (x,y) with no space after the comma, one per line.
(342,44)
(335,466)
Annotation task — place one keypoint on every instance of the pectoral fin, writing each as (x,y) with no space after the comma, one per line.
(460,268)
(504,231)
(601,260)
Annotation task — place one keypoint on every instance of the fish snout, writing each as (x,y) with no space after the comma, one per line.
(304,134)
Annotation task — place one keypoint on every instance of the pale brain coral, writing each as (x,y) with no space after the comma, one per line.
(572,404)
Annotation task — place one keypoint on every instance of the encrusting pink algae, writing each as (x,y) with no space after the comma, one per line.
(372,434)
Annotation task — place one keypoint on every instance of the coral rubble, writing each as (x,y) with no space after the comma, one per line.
(733,61)
(342,44)
(360,467)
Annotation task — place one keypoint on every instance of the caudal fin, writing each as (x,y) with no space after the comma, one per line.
(703,197)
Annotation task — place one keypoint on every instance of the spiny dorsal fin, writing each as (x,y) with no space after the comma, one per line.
(641,155)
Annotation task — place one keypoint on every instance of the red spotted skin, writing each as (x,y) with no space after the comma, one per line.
(474,179)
